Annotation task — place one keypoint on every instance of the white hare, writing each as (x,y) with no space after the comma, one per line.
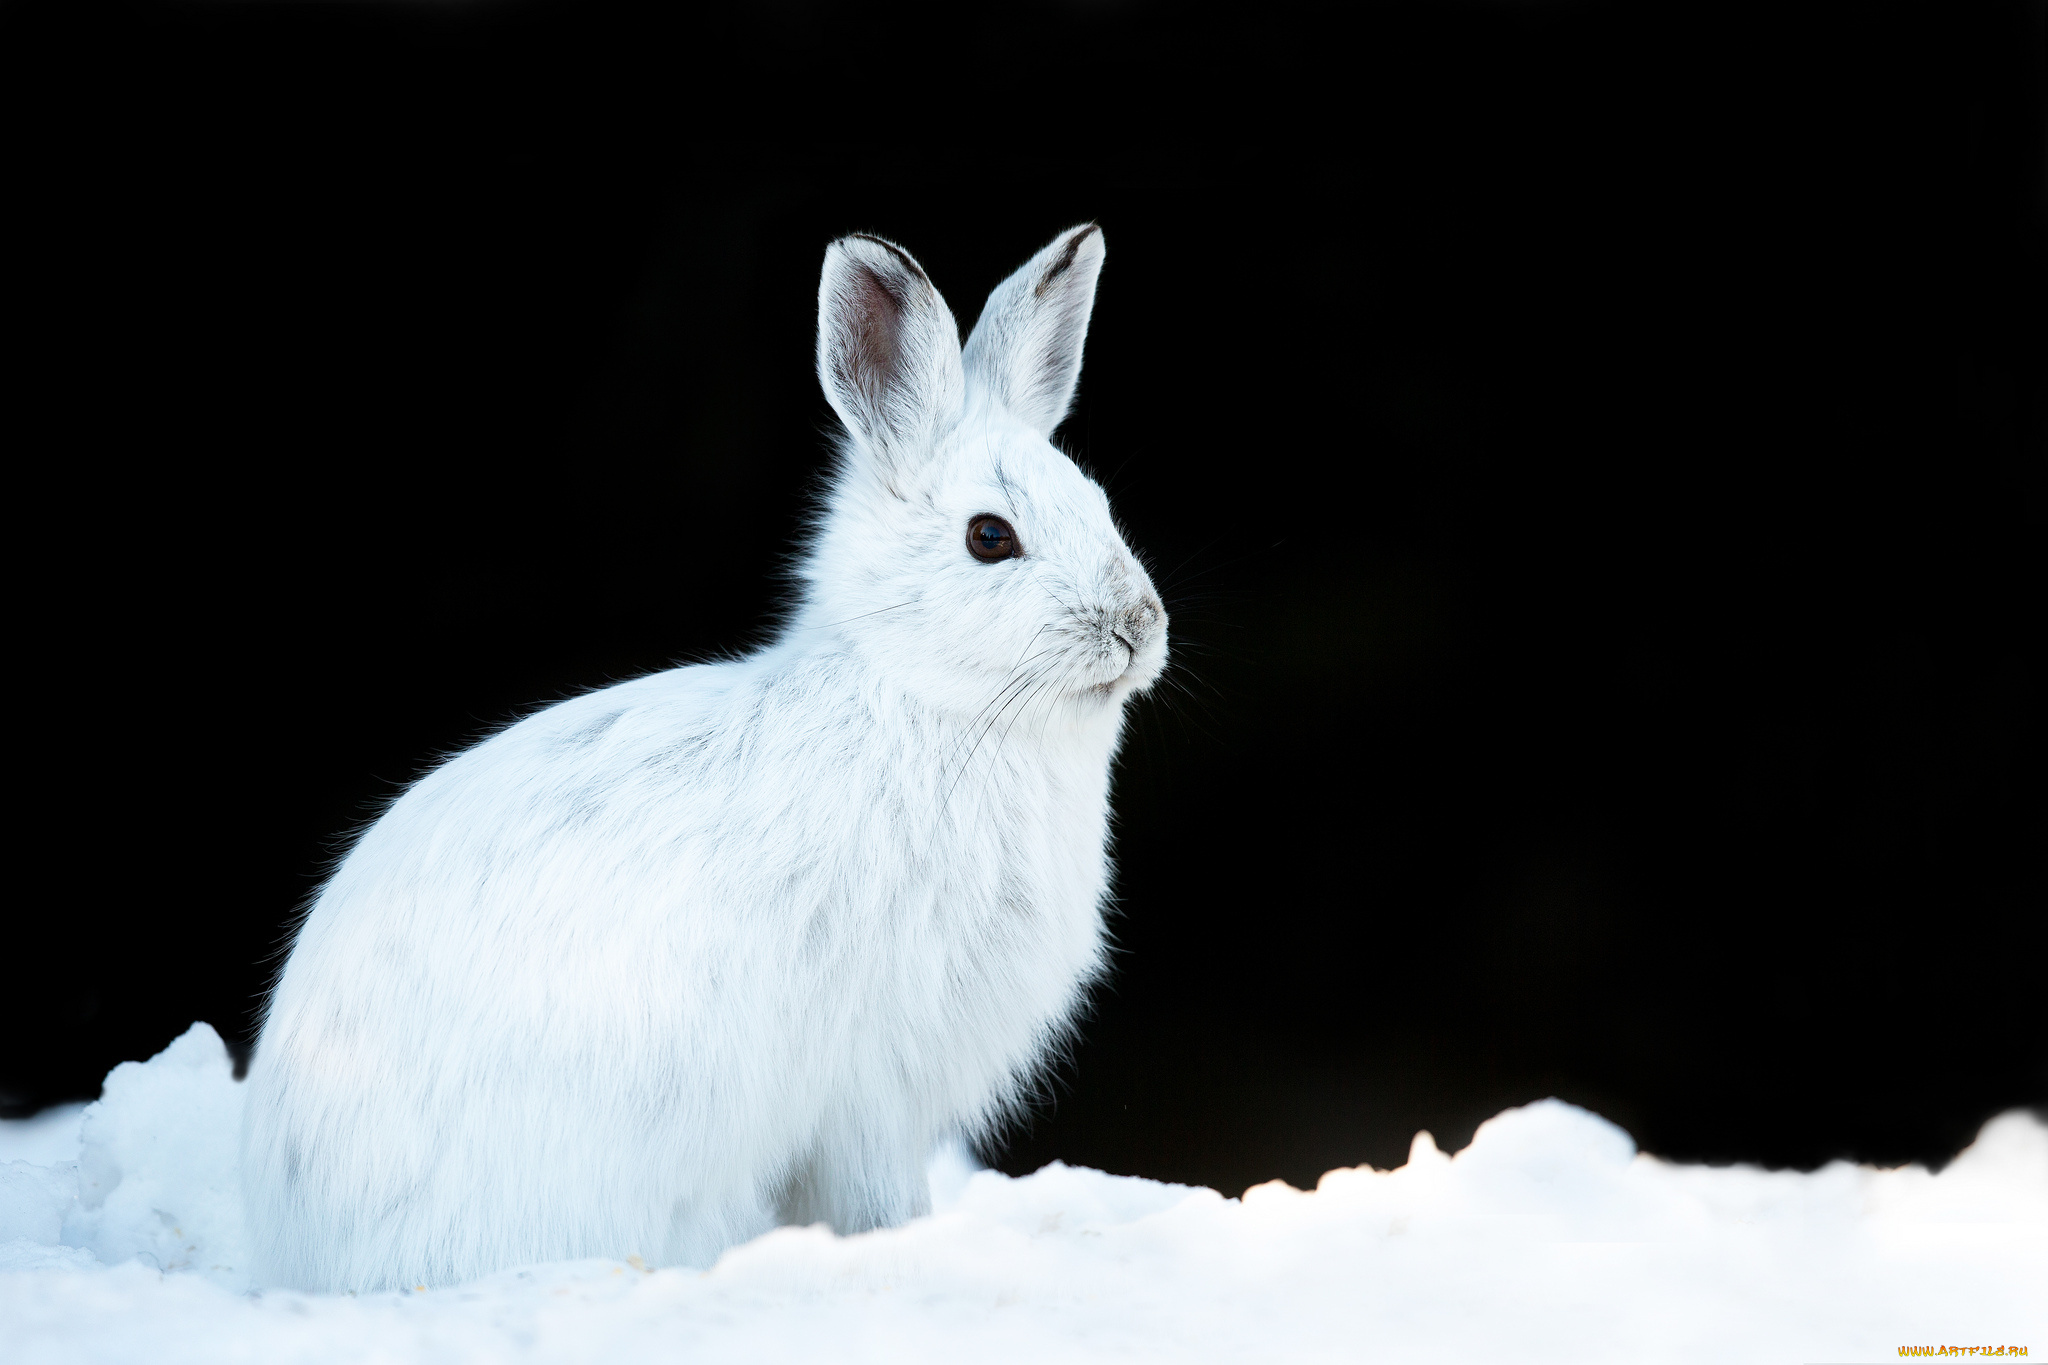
(736,944)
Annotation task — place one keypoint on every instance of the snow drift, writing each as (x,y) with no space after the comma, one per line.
(1548,1239)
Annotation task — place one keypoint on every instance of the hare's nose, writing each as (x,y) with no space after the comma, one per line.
(1138,624)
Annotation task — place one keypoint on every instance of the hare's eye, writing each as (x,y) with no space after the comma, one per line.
(990,538)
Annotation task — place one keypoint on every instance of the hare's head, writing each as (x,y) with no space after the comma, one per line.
(961,552)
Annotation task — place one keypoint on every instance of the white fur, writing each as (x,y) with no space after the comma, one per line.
(738,943)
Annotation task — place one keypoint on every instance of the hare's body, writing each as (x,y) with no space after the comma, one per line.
(681,1048)
(738,943)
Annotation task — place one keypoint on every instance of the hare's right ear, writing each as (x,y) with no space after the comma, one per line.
(1026,350)
(888,351)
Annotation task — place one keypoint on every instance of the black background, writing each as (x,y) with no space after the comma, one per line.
(1592,457)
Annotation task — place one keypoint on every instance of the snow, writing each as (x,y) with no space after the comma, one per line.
(1548,1239)
(48,1139)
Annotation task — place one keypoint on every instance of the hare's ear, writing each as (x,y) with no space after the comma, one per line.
(1026,350)
(888,350)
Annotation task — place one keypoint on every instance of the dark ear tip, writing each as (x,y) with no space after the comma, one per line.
(1065,260)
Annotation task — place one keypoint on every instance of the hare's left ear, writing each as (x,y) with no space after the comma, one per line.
(1026,350)
(888,351)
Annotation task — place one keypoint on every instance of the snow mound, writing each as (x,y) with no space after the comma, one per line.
(1548,1239)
